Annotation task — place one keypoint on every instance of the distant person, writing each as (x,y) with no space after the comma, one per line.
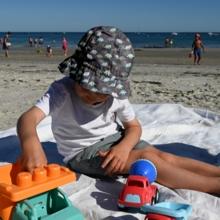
(36,42)
(65,46)
(171,42)
(197,47)
(41,41)
(168,42)
(6,44)
(49,51)
(30,42)
(40,44)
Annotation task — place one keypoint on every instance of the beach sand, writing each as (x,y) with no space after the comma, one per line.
(158,76)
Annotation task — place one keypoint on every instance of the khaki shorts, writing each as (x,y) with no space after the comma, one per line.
(88,162)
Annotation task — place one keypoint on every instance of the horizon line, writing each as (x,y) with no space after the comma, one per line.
(123,31)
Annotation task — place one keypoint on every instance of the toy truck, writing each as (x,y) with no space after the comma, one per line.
(35,196)
(137,192)
(167,211)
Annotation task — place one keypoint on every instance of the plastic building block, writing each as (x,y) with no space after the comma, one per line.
(22,185)
(178,211)
(16,186)
(51,205)
(137,192)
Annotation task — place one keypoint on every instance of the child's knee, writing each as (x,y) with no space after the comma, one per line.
(150,153)
(153,154)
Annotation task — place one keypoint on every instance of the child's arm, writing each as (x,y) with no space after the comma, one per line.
(32,152)
(116,158)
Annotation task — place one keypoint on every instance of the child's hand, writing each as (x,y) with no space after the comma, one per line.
(115,159)
(33,159)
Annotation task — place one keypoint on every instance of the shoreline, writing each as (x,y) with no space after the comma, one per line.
(158,76)
(143,55)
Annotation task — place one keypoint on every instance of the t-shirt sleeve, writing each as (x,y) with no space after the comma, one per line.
(125,112)
(52,99)
(43,103)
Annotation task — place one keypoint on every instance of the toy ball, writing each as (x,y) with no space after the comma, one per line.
(144,168)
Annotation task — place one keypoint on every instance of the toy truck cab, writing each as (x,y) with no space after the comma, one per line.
(51,205)
(137,192)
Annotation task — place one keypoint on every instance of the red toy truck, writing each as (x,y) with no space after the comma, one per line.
(137,192)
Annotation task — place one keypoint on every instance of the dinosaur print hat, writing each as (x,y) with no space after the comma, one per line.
(102,62)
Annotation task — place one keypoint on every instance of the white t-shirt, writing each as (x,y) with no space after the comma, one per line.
(77,125)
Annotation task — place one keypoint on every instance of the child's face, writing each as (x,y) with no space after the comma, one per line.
(89,97)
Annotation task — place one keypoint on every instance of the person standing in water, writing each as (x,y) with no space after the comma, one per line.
(197,47)
(65,46)
(6,44)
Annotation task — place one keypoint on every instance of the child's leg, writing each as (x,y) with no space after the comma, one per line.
(192,165)
(173,176)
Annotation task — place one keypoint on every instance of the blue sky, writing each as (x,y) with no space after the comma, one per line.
(129,15)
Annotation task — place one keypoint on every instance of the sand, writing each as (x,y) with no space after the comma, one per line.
(158,76)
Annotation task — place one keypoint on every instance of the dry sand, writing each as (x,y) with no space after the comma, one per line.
(158,76)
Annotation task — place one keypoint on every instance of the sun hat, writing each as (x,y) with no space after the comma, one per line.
(102,62)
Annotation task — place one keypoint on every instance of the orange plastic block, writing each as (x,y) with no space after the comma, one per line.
(16,186)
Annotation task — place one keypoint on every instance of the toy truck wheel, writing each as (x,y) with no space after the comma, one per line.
(120,206)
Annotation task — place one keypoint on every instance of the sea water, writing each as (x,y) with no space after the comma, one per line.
(138,39)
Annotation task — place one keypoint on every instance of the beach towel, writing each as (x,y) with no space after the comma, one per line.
(171,127)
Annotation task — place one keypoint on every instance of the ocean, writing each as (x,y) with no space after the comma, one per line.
(138,39)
